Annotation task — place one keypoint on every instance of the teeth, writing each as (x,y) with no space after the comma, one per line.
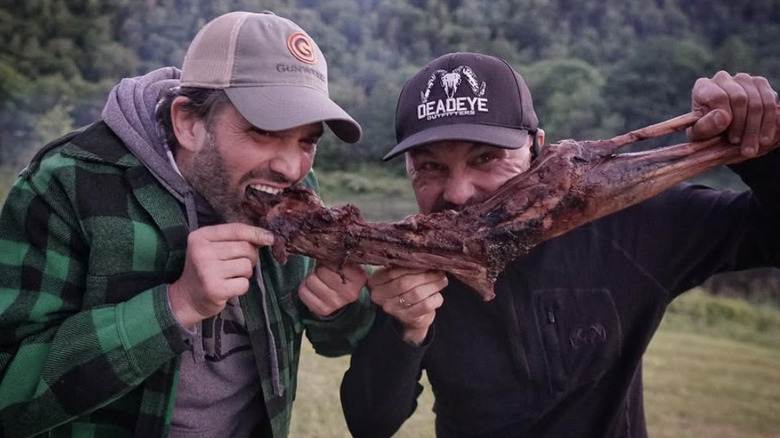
(266,189)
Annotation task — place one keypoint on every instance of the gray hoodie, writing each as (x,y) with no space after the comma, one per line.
(219,392)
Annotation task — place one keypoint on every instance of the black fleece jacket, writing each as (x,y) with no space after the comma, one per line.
(558,352)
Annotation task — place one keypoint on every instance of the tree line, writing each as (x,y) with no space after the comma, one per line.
(596,69)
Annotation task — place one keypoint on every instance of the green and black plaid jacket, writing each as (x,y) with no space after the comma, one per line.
(89,242)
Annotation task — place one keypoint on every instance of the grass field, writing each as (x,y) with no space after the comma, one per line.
(704,377)
(701,386)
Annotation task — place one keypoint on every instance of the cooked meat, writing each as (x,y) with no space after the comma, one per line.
(569,184)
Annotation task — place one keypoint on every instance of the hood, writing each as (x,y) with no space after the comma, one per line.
(129,112)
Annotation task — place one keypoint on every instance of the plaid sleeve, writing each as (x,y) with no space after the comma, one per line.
(67,348)
(340,335)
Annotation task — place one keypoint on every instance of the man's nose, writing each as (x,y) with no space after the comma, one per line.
(288,159)
(459,190)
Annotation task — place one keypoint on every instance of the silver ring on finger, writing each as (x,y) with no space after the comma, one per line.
(403,301)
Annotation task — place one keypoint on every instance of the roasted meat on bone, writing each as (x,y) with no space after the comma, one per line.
(569,184)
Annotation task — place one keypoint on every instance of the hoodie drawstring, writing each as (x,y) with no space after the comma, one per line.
(275,379)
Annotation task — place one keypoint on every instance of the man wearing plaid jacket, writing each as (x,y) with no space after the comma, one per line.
(136,298)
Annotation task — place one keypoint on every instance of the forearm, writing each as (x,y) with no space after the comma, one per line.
(380,389)
(761,175)
(89,359)
(340,334)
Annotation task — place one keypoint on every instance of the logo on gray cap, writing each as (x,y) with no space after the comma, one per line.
(302,48)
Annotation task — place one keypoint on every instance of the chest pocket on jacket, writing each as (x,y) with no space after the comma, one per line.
(580,333)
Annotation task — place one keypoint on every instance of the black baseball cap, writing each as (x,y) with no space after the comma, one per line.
(468,97)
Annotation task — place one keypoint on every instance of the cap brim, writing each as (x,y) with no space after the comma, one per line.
(499,136)
(275,108)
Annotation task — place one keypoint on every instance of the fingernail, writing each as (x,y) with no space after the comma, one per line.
(766,141)
(736,140)
(265,234)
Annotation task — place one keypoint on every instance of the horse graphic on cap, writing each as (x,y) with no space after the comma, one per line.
(450,81)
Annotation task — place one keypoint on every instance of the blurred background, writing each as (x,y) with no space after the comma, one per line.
(596,69)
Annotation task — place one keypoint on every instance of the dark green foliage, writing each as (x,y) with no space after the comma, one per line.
(596,69)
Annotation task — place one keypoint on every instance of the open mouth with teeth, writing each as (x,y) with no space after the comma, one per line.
(262,198)
(265,189)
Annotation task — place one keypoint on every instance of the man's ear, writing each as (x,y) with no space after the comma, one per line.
(538,142)
(409,164)
(187,127)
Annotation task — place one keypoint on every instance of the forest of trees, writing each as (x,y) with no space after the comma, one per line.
(596,69)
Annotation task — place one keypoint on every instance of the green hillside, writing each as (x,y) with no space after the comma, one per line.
(594,68)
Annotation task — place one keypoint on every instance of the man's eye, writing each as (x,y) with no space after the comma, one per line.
(428,166)
(262,132)
(484,158)
(309,145)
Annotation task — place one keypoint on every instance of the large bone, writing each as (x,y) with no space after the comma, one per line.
(569,184)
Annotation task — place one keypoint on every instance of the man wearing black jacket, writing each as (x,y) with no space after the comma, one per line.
(558,352)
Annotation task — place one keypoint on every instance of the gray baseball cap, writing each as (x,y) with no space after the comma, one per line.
(271,70)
